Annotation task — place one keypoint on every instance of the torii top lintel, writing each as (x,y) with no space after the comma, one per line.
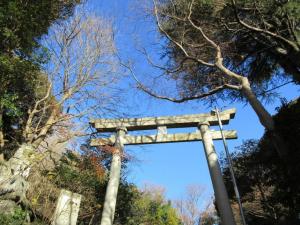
(149,123)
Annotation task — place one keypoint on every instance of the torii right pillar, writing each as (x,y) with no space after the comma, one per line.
(221,195)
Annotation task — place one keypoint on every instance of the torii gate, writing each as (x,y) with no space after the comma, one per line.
(204,134)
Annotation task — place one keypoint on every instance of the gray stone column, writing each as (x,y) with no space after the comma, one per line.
(221,195)
(114,180)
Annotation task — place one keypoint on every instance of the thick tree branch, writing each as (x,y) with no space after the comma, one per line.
(27,133)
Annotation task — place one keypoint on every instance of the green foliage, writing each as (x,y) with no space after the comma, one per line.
(279,17)
(19,80)
(17,218)
(78,174)
(148,210)
(22,24)
(8,101)
(270,186)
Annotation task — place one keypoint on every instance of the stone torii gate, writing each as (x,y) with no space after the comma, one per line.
(203,133)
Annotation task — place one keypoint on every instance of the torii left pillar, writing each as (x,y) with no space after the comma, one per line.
(114,180)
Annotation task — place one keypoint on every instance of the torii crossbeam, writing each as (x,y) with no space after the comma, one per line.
(201,121)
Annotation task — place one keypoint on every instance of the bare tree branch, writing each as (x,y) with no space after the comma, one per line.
(184,99)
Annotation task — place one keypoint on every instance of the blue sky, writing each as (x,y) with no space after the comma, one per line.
(177,165)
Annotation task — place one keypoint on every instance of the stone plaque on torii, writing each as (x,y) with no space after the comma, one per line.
(161,124)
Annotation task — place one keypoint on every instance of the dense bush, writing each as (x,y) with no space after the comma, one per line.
(269,185)
(87,175)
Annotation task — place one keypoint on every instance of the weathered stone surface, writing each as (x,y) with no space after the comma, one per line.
(112,188)
(162,138)
(110,125)
(67,208)
(7,206)
(13,175)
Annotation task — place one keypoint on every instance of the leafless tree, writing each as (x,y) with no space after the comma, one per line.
(81,71)
(154,191)
(79,80)
(195,207)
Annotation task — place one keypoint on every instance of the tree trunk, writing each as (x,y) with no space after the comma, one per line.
(265,117)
